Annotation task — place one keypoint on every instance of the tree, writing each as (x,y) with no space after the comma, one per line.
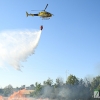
(22,87)
(59,81)
(72,80)
(37,91)
(48,82)
(8,90)
(44,82)
(95,84)
(1,91)
(32,86)
(38,86)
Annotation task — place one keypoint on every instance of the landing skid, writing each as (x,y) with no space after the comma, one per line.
(45,18)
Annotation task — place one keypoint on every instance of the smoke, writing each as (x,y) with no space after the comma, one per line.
(16,46)
(67,92)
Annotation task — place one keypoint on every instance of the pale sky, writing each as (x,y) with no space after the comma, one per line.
(69,41)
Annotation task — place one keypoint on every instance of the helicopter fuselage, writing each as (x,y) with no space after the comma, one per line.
(44,14)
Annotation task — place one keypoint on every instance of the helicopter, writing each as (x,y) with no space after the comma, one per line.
(43,14)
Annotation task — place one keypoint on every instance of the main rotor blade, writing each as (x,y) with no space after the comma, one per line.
(45,7)
(36,10)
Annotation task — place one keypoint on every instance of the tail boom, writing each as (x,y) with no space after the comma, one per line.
(31,14)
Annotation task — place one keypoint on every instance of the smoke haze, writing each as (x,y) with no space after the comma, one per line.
(16,46)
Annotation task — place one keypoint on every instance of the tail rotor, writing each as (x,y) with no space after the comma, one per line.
(26,14)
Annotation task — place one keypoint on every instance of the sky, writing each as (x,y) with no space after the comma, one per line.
(69,42)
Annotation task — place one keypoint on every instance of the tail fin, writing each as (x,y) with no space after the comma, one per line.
(31,14)
(27,14)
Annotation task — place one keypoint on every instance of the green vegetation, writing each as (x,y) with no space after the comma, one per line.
(73,89)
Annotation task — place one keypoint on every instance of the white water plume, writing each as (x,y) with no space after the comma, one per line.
(16,46)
